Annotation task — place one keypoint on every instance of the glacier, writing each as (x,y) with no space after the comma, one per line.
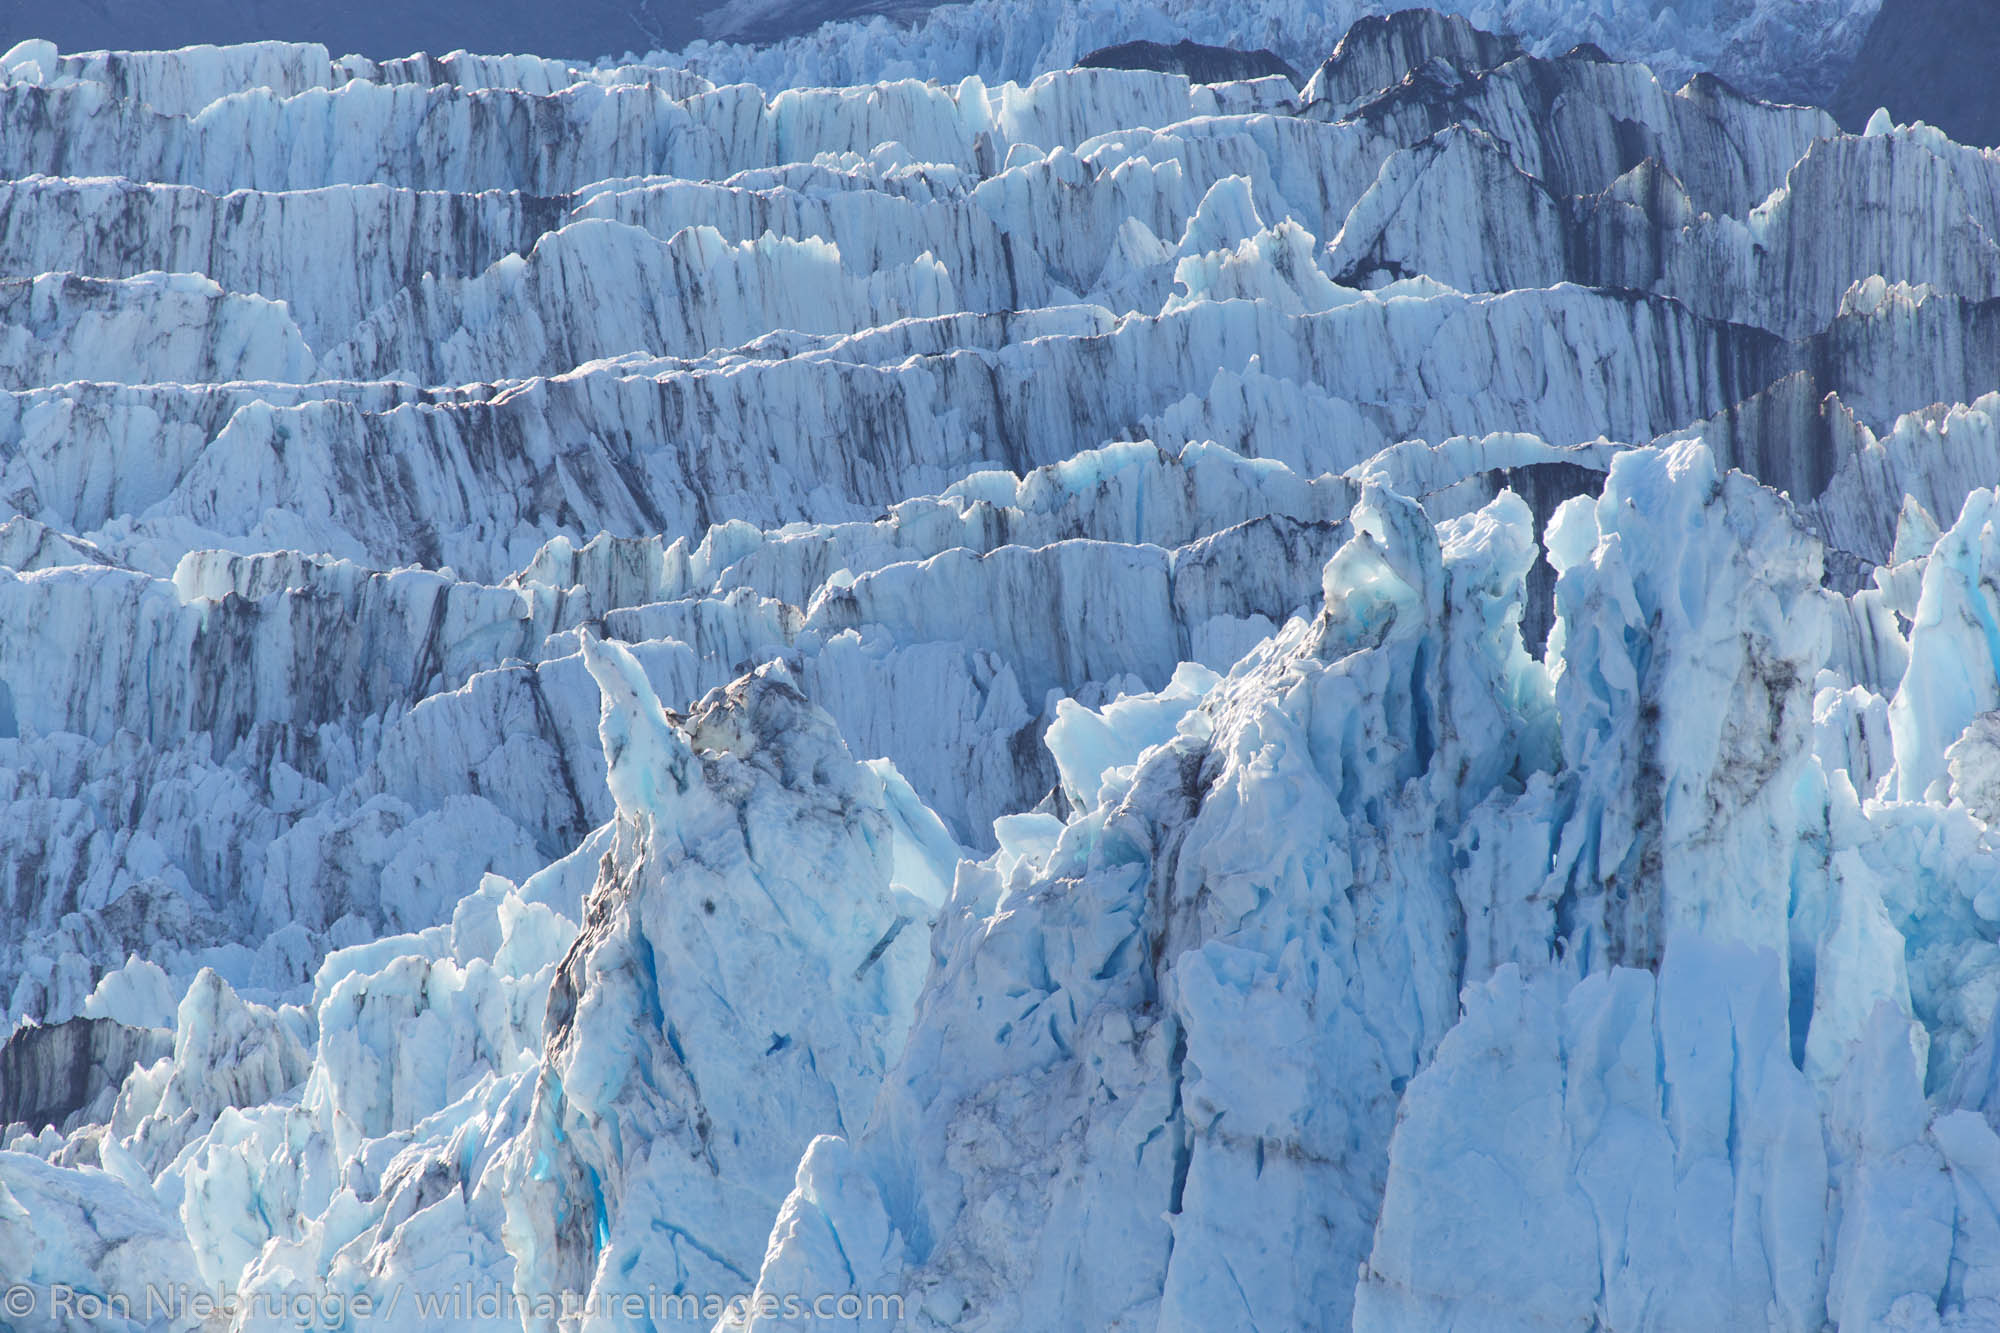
(876,682)
(1793,49)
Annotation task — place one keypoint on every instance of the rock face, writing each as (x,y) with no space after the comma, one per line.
(1117,701)
(1928,60)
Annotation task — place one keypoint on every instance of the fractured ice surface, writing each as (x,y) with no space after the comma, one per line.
(1097,702)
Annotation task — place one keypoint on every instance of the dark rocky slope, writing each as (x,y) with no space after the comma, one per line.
(1929,60)
(1202,64)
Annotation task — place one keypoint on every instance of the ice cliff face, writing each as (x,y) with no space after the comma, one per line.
(1795,48)
(591,29)
(1798,49)
(1100,702)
